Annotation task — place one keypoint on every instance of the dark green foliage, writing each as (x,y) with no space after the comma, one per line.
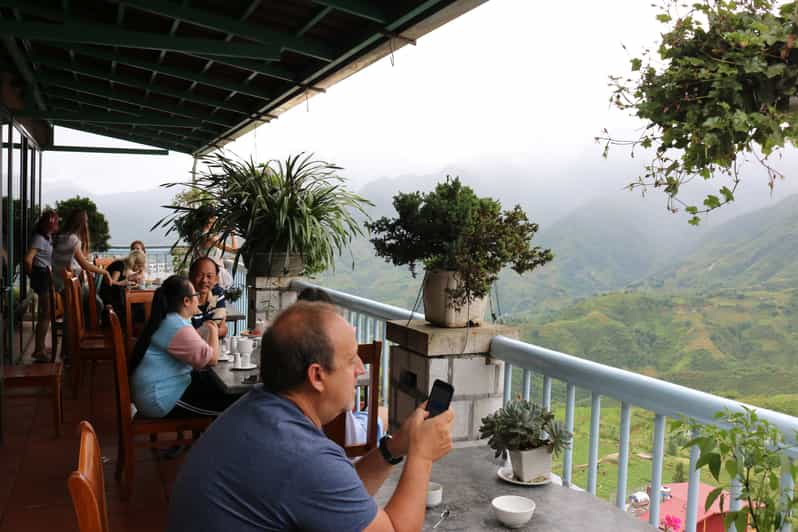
(98,225)
(520,426)
(297,206)
(452,229)
(750,449)
(678,473)
(718,92)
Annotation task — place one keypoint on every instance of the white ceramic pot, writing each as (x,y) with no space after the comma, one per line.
(438,307)
(532,464)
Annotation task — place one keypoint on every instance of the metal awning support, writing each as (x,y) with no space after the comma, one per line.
(101,149)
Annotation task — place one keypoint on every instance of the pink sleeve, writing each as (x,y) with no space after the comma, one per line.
(187,345)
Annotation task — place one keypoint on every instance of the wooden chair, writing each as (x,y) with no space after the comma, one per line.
(93,321)
(336,429)
(131,426)
(56,317)
(87,485)
(86,349)
(136,297)
(38,376)
(103,262)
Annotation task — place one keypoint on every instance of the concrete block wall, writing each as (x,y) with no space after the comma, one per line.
(478,387)
(268,297)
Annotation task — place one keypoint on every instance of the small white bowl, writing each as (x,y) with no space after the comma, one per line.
(513,511)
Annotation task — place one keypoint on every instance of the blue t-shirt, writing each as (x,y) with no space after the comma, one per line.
(263,465)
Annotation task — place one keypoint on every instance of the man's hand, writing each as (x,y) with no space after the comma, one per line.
(429,439)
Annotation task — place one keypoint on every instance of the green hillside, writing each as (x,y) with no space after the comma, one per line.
(758,249)
(733,343)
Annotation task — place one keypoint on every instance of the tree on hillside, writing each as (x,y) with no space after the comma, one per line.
(98,225)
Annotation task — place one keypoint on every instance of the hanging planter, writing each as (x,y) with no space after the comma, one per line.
(720,96)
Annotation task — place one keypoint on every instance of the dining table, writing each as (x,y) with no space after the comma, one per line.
(470,480)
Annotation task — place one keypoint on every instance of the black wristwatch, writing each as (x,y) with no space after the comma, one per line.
(383,446)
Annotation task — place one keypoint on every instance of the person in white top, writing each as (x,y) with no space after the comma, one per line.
(38,261)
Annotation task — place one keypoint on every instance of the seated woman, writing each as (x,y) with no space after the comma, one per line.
(123,272)
(204,275)
(138,245)
(162,381)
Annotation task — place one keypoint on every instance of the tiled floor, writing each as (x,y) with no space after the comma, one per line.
(34,466)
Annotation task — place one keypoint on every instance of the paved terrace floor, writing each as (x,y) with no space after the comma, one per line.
(35,465)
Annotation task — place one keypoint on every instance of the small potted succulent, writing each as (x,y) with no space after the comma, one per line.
(463,241)
(530,434)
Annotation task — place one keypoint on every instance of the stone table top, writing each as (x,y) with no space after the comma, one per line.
(232,381)
(469,480)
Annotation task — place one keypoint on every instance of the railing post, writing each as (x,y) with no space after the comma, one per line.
(656,470)
(508,382)
(385,362)
(592,463)
(547,392)
(787,488)
(567,460)
(694,482)
(623,456)
(527,389)
(735,487)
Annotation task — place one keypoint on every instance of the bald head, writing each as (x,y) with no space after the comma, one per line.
(299,337)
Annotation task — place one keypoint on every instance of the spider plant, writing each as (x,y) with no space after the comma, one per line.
(297,206)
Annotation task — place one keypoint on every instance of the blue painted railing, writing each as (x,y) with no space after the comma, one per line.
(665,400)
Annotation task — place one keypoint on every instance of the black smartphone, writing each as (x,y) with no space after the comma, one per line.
(439,397)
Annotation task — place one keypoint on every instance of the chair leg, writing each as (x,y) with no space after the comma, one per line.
(130,471)
(120,458)
(57,406)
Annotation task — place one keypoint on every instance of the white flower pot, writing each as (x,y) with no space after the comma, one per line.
(529,465)
(438,307)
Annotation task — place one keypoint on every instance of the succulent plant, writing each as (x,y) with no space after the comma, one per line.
(521,425)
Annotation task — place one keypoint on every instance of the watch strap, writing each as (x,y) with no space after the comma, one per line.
(386,454)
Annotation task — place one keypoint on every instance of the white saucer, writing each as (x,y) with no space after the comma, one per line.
(225,358)
(245,368)
(506,474)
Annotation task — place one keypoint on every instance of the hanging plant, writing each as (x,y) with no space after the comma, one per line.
(720,96)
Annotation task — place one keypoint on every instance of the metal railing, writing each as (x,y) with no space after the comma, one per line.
(633,390)
(665,400)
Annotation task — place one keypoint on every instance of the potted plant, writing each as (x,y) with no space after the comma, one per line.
(293,216)
(463,241)
(718,94)
(751,449)
(530,434)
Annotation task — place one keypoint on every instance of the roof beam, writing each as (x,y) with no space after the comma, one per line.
(173,71)
(271,70)
(105,118)
(106,131)
(80,31)
(65,98)
(102,149)
(207,19)
(359,8)
(102,74)
(78,88)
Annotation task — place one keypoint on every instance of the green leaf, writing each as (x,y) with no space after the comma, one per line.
(741,522)
(664,18)
(636,64)
(711,497)
(731,468)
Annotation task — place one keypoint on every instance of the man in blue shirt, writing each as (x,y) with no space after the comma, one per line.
(266,464)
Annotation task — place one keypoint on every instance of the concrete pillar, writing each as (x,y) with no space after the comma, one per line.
(458,356)
(267,297)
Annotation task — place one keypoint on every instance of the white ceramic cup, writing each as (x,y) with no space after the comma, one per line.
(234,344)
(434,494)
(245,346)
(237,360)
(513,511)
(245,363)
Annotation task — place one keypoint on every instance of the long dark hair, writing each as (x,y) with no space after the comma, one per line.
(47,224)
(168,298)
(77,223)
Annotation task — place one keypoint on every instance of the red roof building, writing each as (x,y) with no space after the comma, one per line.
(676,505)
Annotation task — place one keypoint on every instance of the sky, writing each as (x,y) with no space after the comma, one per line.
(512,80)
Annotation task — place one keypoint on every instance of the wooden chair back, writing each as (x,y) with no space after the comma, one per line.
(93,322)
(103,262)
(56,315)
(135,297)
(370,354)
(117,343)
(87,485)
